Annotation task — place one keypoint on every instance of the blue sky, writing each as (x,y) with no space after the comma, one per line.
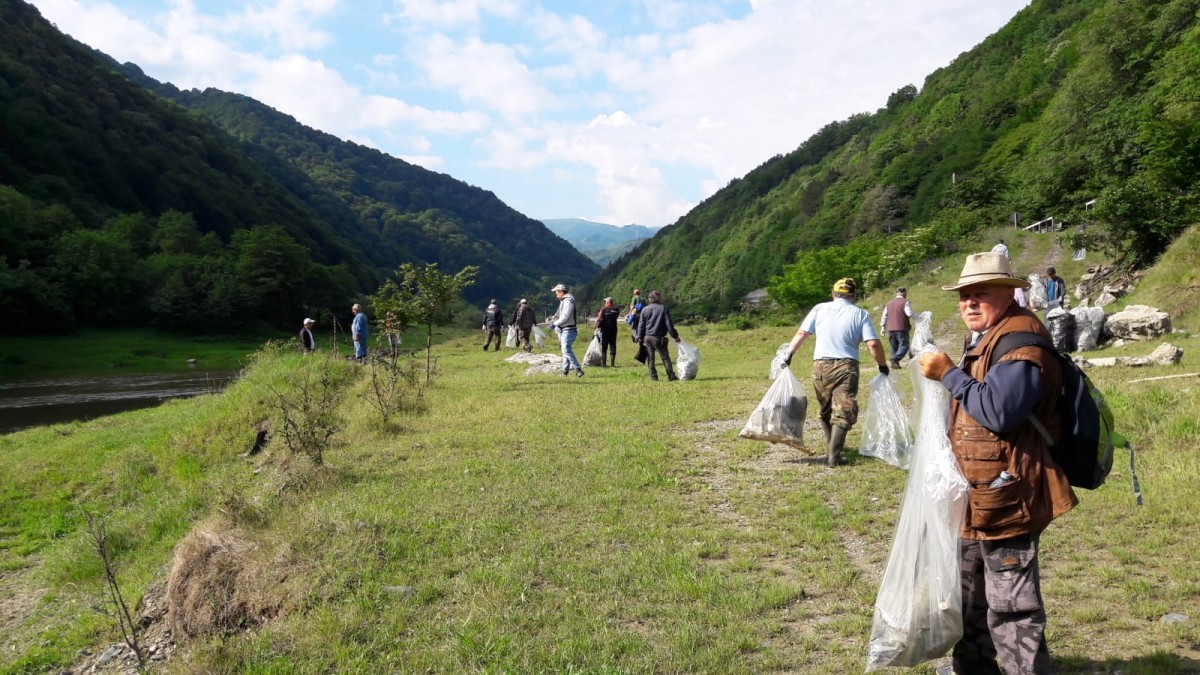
(617,111)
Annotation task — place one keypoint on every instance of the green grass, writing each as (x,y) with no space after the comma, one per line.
(543,524)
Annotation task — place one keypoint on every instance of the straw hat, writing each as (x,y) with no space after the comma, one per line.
(987,268)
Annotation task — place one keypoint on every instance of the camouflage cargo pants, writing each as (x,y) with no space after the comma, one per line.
(835,383)
(493,332)
(1004,618)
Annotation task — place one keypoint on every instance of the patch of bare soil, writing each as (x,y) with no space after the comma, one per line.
(154,639)
(17,604)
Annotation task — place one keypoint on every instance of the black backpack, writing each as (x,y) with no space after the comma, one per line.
(1085,449)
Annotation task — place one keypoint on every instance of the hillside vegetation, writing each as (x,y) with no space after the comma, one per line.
(601,242)
(118,207)
(540,524)
(1069,102)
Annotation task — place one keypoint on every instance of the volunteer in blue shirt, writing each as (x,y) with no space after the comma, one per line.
(358,332)
(840,326)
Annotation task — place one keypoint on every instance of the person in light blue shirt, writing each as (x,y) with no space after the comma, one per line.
(840,326)
(358,331)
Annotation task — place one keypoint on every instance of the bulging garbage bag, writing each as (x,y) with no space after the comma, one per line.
(1089,321)
(687,361)
(1061,325)
(918,611)
(594,356)
(511,341)
(1038,299)
(779,417)
(887,434)
(539,336)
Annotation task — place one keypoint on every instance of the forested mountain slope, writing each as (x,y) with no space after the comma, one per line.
(601,242)
(1069,102)
(118,207)
(417,214)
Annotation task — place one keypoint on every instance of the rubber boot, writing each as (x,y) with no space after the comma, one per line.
(826,428)
(837,439)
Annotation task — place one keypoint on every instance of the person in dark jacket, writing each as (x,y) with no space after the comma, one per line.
(1015,486)
(523,319)
(606,323)
(653,326)
(493,323)
(307,343)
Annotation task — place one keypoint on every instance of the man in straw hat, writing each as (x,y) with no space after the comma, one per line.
(840,326)
(1016,489)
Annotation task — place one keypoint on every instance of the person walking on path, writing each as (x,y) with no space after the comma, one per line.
(307,344)
(1056,290)
(1015,487)
(493,323)
(840,326)
(523,319)
(897,321)
(635,310)
(606,323)
(564,323)
(359,331)
(653,328)
(1002,249)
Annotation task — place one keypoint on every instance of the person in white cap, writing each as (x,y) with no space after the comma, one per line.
(358,331)
(307,343)
(524,319)
(1008,377)
(564,323)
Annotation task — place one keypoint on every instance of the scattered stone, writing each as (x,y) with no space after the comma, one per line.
(1105,299)
(1166,354)
(1138,322)
(1175,618)
(1119,343)
(108,655)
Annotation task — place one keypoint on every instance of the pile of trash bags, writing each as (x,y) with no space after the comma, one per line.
(687,360)
(918,610)
(779,417)
(887,434)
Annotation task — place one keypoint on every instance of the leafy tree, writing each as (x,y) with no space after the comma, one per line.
(422,296)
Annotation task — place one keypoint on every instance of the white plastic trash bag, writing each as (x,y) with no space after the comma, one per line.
(512,337)
(887,434)
(1089,321)
(777,362)
(918,611)
(594,356)
(779,417)
(687,361)
(539,336)
(1038,299)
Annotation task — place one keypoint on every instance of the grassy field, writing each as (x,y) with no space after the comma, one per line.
(547,524)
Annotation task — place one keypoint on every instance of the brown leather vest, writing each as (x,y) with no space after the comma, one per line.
(1040,491)
(897,319)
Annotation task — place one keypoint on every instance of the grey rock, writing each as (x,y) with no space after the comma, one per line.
(1105,300)
(1138,322)
(108,655)
(1175,618)
(1166,354)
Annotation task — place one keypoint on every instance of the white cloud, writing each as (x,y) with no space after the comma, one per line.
(486,74)
(455,13)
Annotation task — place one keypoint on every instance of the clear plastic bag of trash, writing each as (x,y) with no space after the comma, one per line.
(1061,325)
(594,356)
(779,417)
(887,433)
(918,610)
(777,362)
(511,340)
(1038,299)
(1089,321)
(539,336)
(687,360)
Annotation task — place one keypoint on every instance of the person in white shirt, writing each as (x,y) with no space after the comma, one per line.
(1001,249)
(840,326)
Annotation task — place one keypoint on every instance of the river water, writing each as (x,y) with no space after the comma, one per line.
(33,402)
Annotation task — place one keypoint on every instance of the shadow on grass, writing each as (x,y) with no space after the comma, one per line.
(1158,663)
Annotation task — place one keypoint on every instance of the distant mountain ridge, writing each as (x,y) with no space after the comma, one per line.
(601,242)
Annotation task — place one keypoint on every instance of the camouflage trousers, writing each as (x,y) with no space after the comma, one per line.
(523,338)
(835,383)
(494,332)
(1004,618)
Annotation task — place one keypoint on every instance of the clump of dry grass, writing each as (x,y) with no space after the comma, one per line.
(221,581)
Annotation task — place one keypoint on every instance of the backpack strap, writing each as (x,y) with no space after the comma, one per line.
(1016,340)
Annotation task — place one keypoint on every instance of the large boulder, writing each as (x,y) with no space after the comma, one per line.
(1138,322)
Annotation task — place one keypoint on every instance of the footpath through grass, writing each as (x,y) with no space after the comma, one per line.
(547,524)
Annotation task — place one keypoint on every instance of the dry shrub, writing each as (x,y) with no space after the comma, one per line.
(221,582)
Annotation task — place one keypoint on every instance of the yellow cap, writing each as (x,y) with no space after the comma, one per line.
(846,285)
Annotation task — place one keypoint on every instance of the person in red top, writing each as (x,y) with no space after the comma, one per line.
(606,323)
(897,321)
